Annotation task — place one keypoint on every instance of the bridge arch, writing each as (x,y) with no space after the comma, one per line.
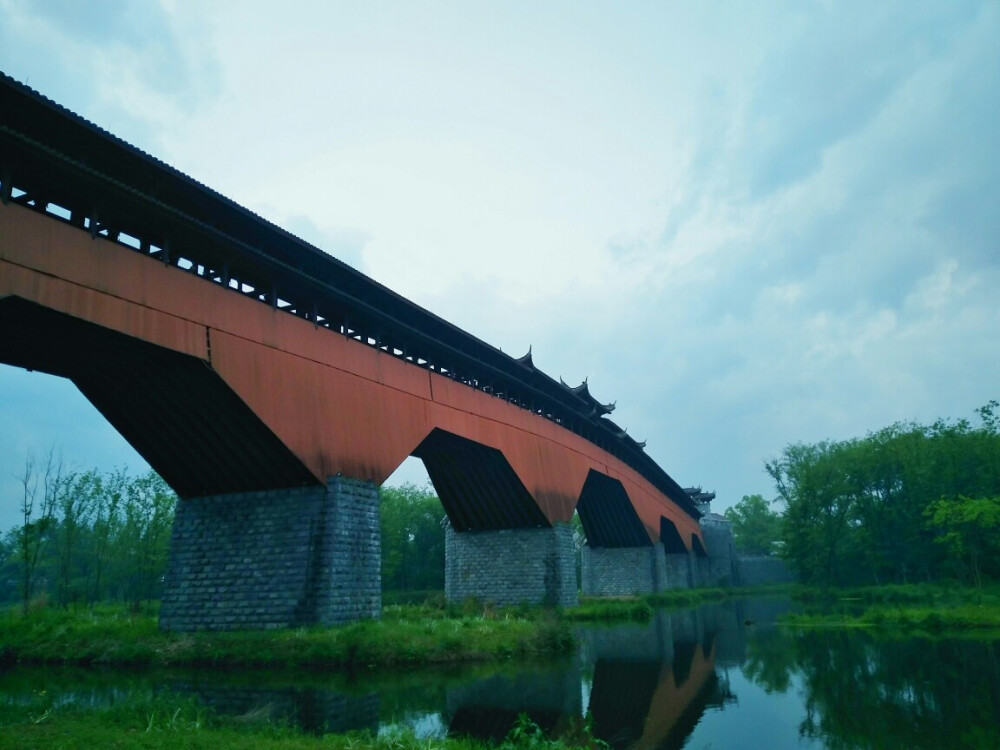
(477,486)
(670,537)
(608,516)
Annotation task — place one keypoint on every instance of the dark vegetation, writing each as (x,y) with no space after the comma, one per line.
(904,504)
(412,525)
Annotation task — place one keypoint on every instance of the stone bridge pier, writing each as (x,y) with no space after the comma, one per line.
(499,544)
(275,559)
(620,559)
(512,566)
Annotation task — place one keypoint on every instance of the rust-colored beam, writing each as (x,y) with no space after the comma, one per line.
(338,405)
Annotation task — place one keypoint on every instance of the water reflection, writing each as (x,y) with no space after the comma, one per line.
(488,708)
(652,685)
(317,708)
(865,692)
(719,676)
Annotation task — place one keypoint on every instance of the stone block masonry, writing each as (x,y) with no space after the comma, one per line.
(641,570)
(680,570)
(275,559)
(718,569)
(511,566)
(623,571)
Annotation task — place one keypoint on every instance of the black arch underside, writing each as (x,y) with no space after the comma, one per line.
(698,547)
(477,486)
(607,515)
(670,537)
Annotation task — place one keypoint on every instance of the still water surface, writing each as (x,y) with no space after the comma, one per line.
(720,676)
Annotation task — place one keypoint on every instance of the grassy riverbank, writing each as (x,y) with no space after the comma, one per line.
(927,607)
(642,608)
(407,634)
(404,635)
(167,722)
(435,634)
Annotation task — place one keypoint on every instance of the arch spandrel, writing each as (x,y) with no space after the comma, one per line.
(337,422)
(554,476)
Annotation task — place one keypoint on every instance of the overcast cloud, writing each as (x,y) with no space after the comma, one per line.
(748,224)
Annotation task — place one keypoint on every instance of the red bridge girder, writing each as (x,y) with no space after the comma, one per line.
(335,404)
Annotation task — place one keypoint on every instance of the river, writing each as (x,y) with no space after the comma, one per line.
(719,676)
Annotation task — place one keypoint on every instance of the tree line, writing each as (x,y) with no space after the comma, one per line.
(86,536)
(906,503)
(413,529)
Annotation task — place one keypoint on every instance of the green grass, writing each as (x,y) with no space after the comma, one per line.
(928,608)
(428,633)
(887,594)
(405,635)
(681,598)
(168,721)
(627,608)
(641,608)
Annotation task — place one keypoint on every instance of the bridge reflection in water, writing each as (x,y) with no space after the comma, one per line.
(643,686)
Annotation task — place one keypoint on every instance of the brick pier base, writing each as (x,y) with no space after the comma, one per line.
(511,566)
(623,571)
(275,559)
(680,570)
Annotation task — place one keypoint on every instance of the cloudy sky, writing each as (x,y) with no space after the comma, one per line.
(750,224)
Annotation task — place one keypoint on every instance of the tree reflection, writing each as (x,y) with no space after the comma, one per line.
(770,661)
(866,692)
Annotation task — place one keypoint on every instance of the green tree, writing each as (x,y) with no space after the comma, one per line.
(37,517)
(143,536)
(75,505)
(968,528)
(855,509)
(109,491)
(755,526)
(102,536)
(811,482)
(9,569)
(412,539)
